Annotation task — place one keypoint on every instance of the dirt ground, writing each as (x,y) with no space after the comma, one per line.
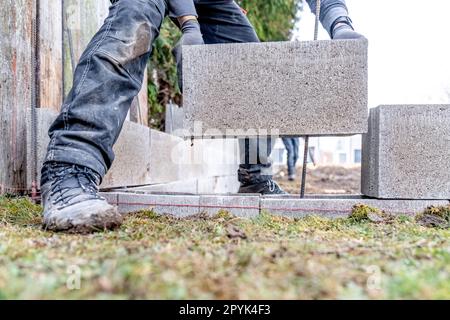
(323,180)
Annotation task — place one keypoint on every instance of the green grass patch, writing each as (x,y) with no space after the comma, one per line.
(223,257)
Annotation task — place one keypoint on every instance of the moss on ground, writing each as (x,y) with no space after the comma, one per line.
(159,257)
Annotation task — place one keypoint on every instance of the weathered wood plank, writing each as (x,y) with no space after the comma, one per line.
(16,17)
(50,46)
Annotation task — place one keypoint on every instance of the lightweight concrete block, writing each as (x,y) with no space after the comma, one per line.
(289,88)
(132,164)
(218,184)
(176,205)
(181,186)
(111,197)
(406,153)
(341,207)
(239,206)
(165,154)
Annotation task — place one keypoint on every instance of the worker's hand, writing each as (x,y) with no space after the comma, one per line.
(343,31)
(191,36)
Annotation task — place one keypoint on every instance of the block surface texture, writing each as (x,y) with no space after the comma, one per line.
(286,88)
(406,154)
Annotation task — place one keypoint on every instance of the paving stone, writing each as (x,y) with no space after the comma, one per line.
(337,207)
(406,153)
(237,205)
(176,205)
(289,88)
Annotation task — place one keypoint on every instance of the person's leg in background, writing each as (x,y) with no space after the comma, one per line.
(289,145)
(222,21)
(108,77)
(295,145)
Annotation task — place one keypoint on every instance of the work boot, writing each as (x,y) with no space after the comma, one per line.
(265,188)
(71,201)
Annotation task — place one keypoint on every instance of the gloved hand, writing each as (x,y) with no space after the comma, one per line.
(191,36)
(342,29)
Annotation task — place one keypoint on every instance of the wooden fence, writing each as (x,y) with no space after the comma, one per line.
(40,44)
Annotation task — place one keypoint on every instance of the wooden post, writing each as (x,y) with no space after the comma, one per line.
(16,22)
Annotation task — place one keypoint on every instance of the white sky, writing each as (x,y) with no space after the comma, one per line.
(409,48)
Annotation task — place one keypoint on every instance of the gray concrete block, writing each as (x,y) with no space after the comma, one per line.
(341,207)
(218,184)
(132,165)
(111,197)
(289,88)
(239,206)
(406,153)
(176,205)
(165,154)
(181,186)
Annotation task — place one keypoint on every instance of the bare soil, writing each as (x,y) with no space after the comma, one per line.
(324,180)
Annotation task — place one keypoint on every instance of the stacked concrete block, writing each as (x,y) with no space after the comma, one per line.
(406,153)
(164,162)
(286,88)
(132,165)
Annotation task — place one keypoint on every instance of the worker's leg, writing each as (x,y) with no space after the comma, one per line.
(108,76)
(222,21)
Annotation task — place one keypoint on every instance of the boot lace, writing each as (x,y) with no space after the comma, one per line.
(69,180)
(272,185)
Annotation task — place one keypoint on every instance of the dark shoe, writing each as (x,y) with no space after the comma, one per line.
(71,201)
(265,188)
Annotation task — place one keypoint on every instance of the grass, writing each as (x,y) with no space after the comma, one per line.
(223,257)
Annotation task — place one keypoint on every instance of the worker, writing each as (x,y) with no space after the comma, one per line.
(109,75)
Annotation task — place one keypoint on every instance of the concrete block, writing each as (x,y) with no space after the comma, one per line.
(239,206)
(289,88)
(165,154)
(218,184)
(406,153)
(181,186)
(132,164)
(111,197)
(177,205)
(341,207)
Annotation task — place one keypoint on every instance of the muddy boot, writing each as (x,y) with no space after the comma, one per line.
(71,201)
(265,188)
